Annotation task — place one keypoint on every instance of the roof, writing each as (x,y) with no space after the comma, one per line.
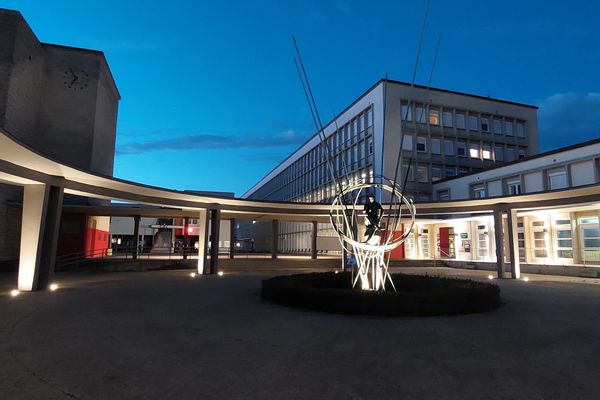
(540,155)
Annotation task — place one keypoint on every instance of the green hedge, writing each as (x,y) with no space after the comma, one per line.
(415,296)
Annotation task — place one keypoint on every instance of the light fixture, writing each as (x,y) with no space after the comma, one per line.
(53,287)
(14,293)
(336,271)
(193,274)
(220,273)
(490,276)
(526,279)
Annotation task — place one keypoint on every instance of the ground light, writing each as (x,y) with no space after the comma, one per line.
(220,273)
(53,287)
(193,274)
(526,279)
(490,276)
(14,293)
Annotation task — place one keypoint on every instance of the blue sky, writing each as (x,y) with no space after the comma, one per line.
(210,95)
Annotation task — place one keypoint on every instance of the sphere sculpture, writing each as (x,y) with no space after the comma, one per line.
(372,244)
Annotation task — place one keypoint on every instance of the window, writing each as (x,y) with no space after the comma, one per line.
(421,144)
(406,113)
(443,195)
(486,152)
(509,128)
(564,237)
(422,174)
(461,149)
(435,146)
(485,125)
(370,118)
(449,172)
(474,150)
(436,173)
(472,123)
(510,154)
(421,115)
(460,121)
(497,126)
(405,170)
(521,154)
(479,192)
(408,143)
(370,150)
(513,186)
(520,129)
(448,147)
(447,119)
(557,179)
(434,117)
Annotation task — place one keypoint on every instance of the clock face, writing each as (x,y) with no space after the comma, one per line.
(76,79)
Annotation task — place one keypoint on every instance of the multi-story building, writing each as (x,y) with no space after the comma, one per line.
(440,133)
(62,102)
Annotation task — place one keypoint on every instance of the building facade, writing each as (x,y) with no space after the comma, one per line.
(62,102)
(440,133)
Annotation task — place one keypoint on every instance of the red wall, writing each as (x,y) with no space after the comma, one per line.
(96,241)
(398,252)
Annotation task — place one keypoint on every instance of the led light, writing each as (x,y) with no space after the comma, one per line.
(490,276)
(193,274)
(14,293)
(53,287)
(220,273)
(190,229)
(336,272)
(526,279)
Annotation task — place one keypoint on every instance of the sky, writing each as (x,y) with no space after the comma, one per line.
(211,99)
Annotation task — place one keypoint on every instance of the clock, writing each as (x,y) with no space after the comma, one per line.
(76,79)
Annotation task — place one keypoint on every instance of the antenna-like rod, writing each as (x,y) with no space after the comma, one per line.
(423,25)
(437,48)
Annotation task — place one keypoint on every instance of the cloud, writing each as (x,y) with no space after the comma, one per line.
(213,142)
(568,118)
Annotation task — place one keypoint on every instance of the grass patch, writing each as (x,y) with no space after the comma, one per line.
(415,296)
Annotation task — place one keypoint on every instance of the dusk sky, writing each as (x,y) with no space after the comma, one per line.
(211,99)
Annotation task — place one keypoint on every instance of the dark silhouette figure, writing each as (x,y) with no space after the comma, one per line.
(374,212)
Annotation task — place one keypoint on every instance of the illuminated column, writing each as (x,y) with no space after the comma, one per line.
(42,207)
(215,227)
(232,238)
(186,237)
(136,237)
(499,239)
(513,244)
(202,235)
(313,249)
(275,238)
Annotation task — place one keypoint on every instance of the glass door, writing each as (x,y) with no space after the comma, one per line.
(590,240)
(482,242)
(540,241)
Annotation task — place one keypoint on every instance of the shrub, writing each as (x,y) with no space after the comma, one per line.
(415,295)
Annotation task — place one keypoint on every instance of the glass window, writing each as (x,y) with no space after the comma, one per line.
(408,143)
(435,146)
(461,149)
(521,154)
(509,128)
(436,173)
(434,116)
(370,146)
(486,152)
(472,123)
(421,144)
(421,115)
(443,195)
(520,129)
(513,187)
(370,118)
(478,192)
(485,125)
(406,113)
(447,119)
(557,179)
(510,154)
(474,150)
(449,172)
(460,121)
(448,147)
(405,170)
(497,127)
(422,174)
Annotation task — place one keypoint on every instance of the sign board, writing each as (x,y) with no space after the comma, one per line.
(351,261)
(464,235)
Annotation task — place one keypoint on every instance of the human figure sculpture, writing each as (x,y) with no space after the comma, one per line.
(374,212)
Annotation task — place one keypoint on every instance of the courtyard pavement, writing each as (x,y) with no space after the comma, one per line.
(165,335)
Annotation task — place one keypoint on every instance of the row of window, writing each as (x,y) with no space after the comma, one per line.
(463,120)
(450,147)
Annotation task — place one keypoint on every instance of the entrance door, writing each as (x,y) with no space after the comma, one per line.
(398,252)
(589,231)
(446,242)
(482,242)
(540,242)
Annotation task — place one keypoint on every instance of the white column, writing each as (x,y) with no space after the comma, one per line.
(35,198)
(202,227)
(513,244)
(499,242)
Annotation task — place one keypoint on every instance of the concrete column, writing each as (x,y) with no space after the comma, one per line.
(202,235)
(186,237)
(499,242)
(136,237)
(513,244)
(215,227)
(42,208)
(232,238)
(275,238)
(313,249)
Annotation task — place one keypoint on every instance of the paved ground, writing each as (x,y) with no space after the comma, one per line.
(164,335)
